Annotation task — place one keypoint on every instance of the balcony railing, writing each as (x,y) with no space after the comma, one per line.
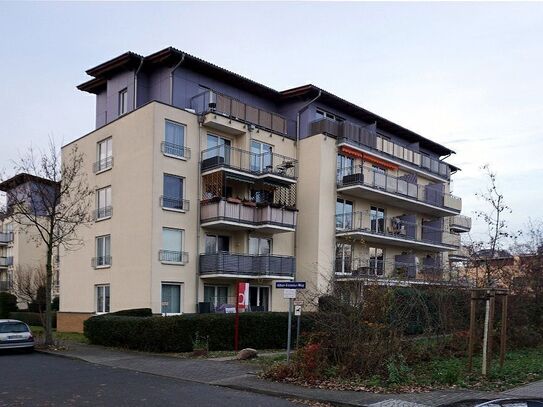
(460,222)
(367,137)
(211,101)
(223,156)
(175,150)
(103,164)
(174,203)
(400,186)
(394,227)
(172,256)
(6,261)
(6,238)
(224,210)
(368,267)
(247,265)
(101,261)
(103,213)
(359,266)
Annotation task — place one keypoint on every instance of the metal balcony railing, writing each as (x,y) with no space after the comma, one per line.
(247,264)
(367,137)
(175,150)
(6,238)
(102,213)
(6,261)
(396,227)
(172,256)
(103,164)
(400,186)
(174,203)
(101,261)
(247,161)
(370,267)
(223,210)
(211,101)
(359,266)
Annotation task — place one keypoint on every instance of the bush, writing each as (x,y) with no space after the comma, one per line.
(8,303)
(135,312)
(32,318)
(177,333)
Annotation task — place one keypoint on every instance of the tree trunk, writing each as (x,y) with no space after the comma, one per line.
(48,288)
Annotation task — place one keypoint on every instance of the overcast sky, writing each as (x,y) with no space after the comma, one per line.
(469,76)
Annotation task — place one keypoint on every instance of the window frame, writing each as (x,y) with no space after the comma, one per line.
(181,199)
(96,245)
(216,287)
(181,295)
(181,249)
(344,203)
(105,303)
(259,240)
(98,207)
(259,299)
(123,102)
(182,146)
(108,164)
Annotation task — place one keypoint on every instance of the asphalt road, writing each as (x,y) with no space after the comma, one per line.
(43,380)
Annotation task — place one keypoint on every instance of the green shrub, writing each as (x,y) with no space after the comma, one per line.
(32,318)
(134,312)
(8,303)
(266,330)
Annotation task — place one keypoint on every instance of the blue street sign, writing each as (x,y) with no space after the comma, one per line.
(298,285)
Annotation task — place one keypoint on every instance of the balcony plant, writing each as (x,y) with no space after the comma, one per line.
(236,200)
(248,202)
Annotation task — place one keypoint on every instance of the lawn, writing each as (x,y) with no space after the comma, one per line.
(38,331)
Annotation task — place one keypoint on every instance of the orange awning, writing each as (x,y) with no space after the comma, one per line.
(351,152)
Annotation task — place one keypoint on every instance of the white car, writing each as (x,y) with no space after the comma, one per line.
(15,335)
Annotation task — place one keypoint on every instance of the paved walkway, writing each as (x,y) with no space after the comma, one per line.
(243,376)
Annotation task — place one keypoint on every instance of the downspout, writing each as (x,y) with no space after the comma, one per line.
(302,109)
(171,76)
(136,84)
(197,285)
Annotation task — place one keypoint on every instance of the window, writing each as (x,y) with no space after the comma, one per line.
(345,165)
(343,257)
(379,176)
(102,298)
(103,203)
(174,140)
(172,246)
(377,219)
(260,246)
(218,149)
(104,155)
(216,295)
(344,214)
(321,114)
(261,196)
(103,251)
(377,260)
(217,244)
(261,156)
(123,102)
(171,298)
(173,192)
(259,298)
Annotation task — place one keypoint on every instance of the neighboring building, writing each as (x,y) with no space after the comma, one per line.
(21,249)
(205,178)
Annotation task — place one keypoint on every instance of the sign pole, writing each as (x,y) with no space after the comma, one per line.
(298,331)
(236,320)
(289,328)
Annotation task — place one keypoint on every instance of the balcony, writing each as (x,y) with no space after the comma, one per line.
(102,165)
(367,138)
(236,215)
(6,238)
(235,117)
(459,223)
(369,183)
(459,255)
(268,167)
(173,257)
(6,261)
(234,265)
(401,231)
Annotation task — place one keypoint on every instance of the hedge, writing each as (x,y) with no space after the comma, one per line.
(262,330)
(134,312)
(31,318)
(8,303)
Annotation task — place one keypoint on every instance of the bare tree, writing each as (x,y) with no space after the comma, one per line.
(28,282)
(51,206)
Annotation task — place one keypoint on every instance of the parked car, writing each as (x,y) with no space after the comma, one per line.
(15,335)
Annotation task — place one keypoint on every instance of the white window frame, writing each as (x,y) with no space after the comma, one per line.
(183,181)
(181,249)
(181,295)
(321,113)
(96,240)
(123,101)
(260,238)
(107,143)
(215,290)
(184,146)
(96,296)
(98,203)
(258,287)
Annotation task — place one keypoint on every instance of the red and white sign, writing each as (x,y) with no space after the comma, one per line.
(243,295)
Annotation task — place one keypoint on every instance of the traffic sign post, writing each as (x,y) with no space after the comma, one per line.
(289,292)
(298,313)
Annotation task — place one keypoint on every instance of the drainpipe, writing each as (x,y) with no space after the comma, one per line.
(171,76)
(302,109)
(136,84)
(199,191)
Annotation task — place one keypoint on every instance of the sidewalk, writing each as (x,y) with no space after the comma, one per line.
(243,376)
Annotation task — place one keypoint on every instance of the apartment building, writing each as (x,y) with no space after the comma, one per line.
(205,178)
(21,249)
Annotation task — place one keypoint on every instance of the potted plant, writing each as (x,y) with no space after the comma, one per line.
(236,200)
(200,345)
(248,202)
